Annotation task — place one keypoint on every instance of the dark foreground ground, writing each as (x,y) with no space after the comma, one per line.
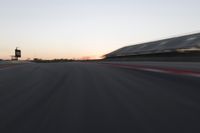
(96,98)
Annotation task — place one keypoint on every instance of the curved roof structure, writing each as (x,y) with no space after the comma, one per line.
(176,44)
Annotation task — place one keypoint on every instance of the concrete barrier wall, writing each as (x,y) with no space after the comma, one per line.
(189,57)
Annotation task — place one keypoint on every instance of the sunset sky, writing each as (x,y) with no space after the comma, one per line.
(51,29)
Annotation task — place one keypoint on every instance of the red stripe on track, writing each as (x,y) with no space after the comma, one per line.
(157,69)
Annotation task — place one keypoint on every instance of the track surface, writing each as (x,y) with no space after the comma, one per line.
(96,98)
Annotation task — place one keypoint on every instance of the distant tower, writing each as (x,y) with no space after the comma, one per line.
(17,53)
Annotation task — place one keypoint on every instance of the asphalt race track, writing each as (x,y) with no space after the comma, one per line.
(96,98)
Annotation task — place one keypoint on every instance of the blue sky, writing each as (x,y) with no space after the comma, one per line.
(90,28)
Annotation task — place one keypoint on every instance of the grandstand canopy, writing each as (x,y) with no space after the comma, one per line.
(176,44)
